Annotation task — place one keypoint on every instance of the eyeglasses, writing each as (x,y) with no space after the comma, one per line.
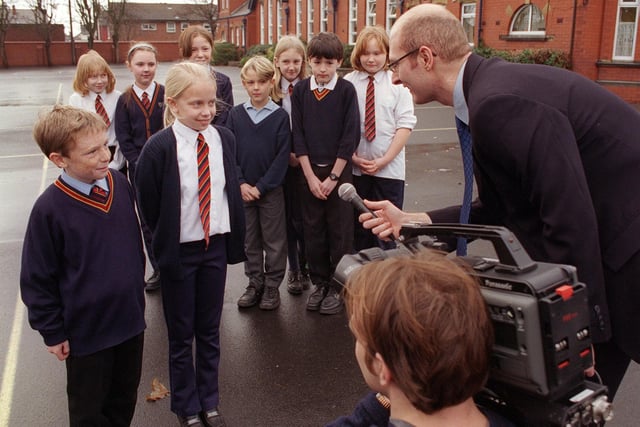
(393,67)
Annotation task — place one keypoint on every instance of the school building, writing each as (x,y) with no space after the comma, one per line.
(600,36)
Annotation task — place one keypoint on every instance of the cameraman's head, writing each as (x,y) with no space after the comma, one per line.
(422,329)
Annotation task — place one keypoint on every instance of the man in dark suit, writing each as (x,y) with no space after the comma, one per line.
(556,160)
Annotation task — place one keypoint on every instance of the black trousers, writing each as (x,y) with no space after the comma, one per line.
(328,227)
(102,387)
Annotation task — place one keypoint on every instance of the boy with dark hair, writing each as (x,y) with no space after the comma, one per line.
(326,129)
(82,276)
(423,342)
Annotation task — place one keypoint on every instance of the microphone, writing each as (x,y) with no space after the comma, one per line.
(348,193)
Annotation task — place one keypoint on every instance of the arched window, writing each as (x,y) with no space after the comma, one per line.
(528,20)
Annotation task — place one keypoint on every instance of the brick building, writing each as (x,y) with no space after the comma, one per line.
(600,36)
(21,27)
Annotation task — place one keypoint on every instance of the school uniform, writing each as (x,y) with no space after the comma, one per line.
(82,280)
(263,145)
(326,126)
(134,125)
(193,273)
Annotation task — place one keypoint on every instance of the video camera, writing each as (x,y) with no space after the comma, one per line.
(540,317)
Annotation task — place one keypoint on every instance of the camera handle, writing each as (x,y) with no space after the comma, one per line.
(512,256)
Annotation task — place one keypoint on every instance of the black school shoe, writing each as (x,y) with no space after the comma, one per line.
(270,298)
(192,421)
(316,297)
(250,297)
(212,418)
(294,285)
(332,302)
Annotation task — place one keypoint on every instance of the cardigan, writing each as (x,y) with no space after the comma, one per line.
(157,179)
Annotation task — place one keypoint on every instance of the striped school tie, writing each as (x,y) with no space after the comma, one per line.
(204,185)
(370,112)
(145,101)
(101,111)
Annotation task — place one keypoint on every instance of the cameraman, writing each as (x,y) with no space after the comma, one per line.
(556,159)
(424,339)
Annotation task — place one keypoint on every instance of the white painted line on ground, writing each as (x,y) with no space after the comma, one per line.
(11,362)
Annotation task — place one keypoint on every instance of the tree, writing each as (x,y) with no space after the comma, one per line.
(89,11)
(118,18)
(208,11)
(43,12)
(5,21)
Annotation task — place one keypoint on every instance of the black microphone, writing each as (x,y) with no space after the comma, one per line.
(348,193)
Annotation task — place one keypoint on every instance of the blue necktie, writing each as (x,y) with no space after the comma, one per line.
(467,161)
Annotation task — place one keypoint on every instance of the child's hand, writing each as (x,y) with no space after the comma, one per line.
(370,167)
(315,186)
(61,351)
(248,193)
(328,185)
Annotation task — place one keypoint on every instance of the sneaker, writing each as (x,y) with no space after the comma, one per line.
(192,421)
(332,303)
(250,297)
(270,299)
(305,279)
(153,282)
(212,418)
(316,297)
(294,286)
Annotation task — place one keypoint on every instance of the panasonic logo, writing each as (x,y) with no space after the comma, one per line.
(498,285)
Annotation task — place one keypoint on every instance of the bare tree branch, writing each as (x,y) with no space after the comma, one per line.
(89,11)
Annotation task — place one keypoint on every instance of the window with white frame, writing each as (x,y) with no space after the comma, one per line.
(371,12)
(528,21)
(392,13)
(468,18)
(270,21)
(280,18)
(171,27)
(324,15)
(261,29)
(353,21)
(624,43)
(299,18)
(309,19)
(148,27)
(184,26)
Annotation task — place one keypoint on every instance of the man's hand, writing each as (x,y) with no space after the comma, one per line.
(389,219)
(61,351)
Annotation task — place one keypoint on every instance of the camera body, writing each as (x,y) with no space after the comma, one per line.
(540,317)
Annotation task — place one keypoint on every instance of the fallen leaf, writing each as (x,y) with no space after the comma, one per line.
(158,391)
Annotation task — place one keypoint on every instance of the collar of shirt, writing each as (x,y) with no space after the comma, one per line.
(376,77)
(270,106)
(83,187)
(94,95)
(459,103)
(331,85)
(150,90)
(284,84)
(189,135)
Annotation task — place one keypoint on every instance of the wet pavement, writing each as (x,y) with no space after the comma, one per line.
(287,367)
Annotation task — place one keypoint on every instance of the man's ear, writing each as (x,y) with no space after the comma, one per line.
(58,160)
(382,370)
(426,55)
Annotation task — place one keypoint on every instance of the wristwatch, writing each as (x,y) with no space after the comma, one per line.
(333,177)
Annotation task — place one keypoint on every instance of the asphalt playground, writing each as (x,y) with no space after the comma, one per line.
(287,367)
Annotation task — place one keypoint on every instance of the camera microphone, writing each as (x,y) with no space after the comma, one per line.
(348,193)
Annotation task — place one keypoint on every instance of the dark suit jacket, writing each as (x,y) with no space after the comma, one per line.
(158,183)
(557,161)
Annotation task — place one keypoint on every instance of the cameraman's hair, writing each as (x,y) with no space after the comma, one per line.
(325,45)
(433,26)
(57,129)
(426,317)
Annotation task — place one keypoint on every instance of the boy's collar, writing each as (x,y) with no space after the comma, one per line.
(331,85)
